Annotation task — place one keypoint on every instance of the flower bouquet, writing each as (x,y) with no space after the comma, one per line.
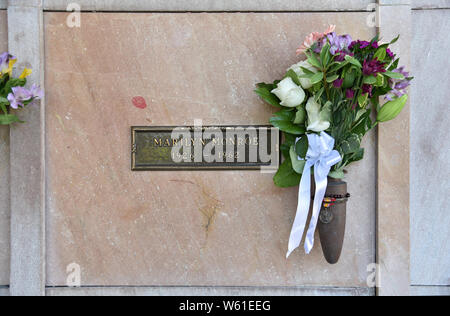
(327,103)
(13,95)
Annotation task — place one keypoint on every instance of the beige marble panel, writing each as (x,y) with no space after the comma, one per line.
(430,145)
(393,172)
(210,5)
(179,228)
(209,291)
(4,175)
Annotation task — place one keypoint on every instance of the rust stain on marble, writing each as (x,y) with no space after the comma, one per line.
(212,207)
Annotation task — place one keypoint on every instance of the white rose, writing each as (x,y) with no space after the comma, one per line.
(297,68)
(316,115)
(289,93)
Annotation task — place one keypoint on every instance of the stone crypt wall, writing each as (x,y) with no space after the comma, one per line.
(201,230)
(4,175)
(180,228)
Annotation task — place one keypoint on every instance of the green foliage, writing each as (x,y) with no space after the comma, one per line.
(300,116)
(392,109)
(350,113)
(394,75)
(301,148)
(286,175)
(353,61)
(7,119)
(264,91)
(297,165)
(284,120)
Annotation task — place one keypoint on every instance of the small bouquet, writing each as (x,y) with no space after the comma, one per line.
(327,103)
(13,95)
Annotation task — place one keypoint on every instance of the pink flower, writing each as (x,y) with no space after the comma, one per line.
(330,29)
(314,37)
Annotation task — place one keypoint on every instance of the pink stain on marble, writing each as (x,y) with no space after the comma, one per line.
(139,102)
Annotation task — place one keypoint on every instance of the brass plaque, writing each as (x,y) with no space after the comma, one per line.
(205,148)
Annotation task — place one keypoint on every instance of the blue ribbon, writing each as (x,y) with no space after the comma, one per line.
(322,157)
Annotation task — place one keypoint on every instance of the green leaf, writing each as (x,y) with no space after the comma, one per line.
(392,109)
(394,75)
(349,78)
(379,81)
(297,165)
(353,61)
(301,147)
(395,40)
(300,116)
(264,91)
(362,99)
(357,156)
(283,120)
(325,55)
(351,144)
(326,112)
(370,80)
(13,82)
(318,77)
(312,59)
(380,54)
(332,78)
(338,174)
(291,73)
(307,71)
(394,65)
(286,175)
(318,95)
(288,141)
(337,65)
(8,119)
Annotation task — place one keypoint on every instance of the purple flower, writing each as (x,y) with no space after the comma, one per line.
(375,45)
(390,53)
(361,44)
(341,56)
(338,83)
(366,88)
(398,86)
(373,67)
(350,94)
(338,43)
(4,61)
(20,95)
(36,91)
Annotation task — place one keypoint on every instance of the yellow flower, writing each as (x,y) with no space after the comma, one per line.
(11,64)
(26,72)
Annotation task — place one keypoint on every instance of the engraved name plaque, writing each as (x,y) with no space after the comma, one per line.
(205,148)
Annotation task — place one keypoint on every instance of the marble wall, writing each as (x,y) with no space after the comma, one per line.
(430,149)
(180,228)
(4,175)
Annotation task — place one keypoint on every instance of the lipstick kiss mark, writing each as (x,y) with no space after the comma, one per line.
(139,102)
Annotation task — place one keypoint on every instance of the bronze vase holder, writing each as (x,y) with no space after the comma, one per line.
(333,219)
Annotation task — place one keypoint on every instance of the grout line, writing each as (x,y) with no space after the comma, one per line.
(431,286)
(216,12)
(208,286)
(430,9)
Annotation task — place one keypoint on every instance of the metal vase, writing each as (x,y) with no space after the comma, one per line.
(332,220)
